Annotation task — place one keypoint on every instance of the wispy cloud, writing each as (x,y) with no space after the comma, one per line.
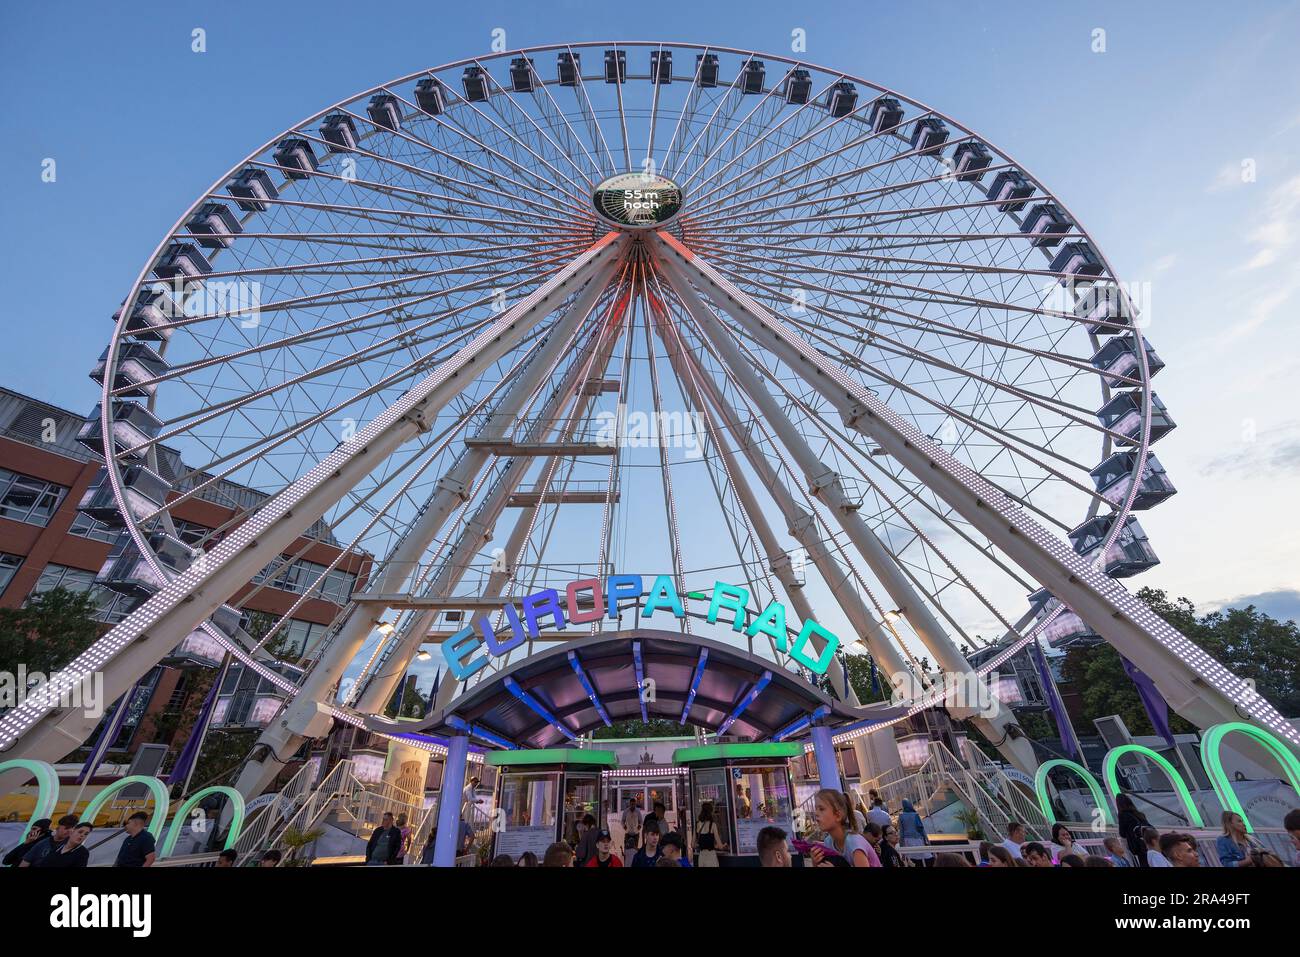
(1272,452)
(1282,604)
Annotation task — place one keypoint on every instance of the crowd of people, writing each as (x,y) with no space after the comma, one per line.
(844,832)
(847,833)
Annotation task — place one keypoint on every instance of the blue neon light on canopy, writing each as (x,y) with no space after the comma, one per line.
(746,701)
(797,725)
(588,687)
(695,683)
(537,708)
(640,679)
(478,731)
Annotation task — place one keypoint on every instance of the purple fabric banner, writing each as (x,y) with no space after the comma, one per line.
(1068,741)
(106,736)
(190,753)
(1157,708)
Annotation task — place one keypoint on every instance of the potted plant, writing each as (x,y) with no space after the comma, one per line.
(971,819)
(295,840)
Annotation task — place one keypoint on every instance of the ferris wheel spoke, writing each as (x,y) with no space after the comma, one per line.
(888,344)
(595,131)
(354,324)
(748,211)
(817,129)
(578,191)
(827,484)
(400,341)
(915,321)
(575,193)
(487,185)
(711,200)
(725,97)
(736,128)
(1004,440)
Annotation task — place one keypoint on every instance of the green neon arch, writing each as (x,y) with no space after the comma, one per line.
(157,790)
(47,787)
(236,821)
(1040,787)
(1109,772)
(1212,758)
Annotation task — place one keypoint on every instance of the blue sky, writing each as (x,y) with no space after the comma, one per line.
(1145,142)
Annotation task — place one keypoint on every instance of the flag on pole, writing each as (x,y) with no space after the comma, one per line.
(1157,708)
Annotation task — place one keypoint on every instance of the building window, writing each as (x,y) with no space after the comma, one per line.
(299,576)
(112,606)
(86,527)
(9,565)
(27,499)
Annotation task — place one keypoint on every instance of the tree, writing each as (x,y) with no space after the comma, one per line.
(635,728)
(858,668)
(48,632)
(1244,640)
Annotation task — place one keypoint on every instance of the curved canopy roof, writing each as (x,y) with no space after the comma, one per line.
(547,699)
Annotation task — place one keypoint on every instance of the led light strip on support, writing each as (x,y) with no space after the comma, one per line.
(478,731)
(640,679)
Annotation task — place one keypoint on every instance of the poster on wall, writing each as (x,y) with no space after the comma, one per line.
(747,831)
(515,840)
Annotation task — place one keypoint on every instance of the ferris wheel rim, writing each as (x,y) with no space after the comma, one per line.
(114,466)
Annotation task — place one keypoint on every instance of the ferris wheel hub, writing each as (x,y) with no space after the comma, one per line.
(637,201)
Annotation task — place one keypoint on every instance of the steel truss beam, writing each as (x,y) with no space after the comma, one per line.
(826,486)
(479,528)
(41,729)
(1196,686)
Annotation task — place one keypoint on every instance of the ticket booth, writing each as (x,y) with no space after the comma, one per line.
(541,794)
(749,786)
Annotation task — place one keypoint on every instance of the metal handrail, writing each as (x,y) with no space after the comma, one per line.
(258,830)
(310,810)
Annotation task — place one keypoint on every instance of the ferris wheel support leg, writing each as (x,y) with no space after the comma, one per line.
(1195,685)
(478,530)
(694,382)
(41,729)
(802,526)
(302,717)
(827,487)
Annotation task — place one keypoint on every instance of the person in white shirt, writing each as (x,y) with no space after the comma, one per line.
(1015,837)
(469,798)
(878,815)
(1151,837)
(632,818)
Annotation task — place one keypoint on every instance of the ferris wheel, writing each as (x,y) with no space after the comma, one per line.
(659,307)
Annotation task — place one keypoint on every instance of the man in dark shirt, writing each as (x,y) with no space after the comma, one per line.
(385,844)
(137,848)
(35,835)
(72,852)
(50,842)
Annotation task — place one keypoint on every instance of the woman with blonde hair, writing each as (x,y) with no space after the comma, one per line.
(1234,846)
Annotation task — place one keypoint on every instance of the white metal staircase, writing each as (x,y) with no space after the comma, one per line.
(977,782)
(340,799)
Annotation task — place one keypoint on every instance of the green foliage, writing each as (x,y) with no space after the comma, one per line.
(1246,641)
(295,840)
(859,672)
(970,819)
(48,632)
(654,728)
